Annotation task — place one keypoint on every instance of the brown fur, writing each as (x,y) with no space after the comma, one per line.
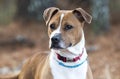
(38,67)
(72,36)
(10,76)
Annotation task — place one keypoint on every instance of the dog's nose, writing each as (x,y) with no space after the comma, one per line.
(55,39)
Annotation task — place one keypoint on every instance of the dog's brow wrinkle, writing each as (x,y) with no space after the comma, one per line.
(61,18)
(60,23)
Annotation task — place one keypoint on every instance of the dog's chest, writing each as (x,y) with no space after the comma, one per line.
(60,72)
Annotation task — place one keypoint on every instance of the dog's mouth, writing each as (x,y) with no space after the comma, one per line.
(59,46)
(56,47)
(70,45)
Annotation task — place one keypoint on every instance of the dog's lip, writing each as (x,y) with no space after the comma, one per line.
(56,47)
(70,45)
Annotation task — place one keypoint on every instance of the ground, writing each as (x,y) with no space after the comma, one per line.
(104,58)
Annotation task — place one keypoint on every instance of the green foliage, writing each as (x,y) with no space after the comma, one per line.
(7,11)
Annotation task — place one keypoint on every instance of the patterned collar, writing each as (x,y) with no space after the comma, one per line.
(65,59)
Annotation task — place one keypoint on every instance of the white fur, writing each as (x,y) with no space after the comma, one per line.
(60,72)
(77,49)
(57,30)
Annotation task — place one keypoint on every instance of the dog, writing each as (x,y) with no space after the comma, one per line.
(68,57)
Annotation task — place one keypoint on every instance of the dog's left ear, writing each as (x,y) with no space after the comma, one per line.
(82,15)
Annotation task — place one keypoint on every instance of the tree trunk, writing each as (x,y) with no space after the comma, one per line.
(32,9)
(100,13)
(22,9)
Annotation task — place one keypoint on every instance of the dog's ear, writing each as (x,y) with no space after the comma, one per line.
(49,13)
(82,15)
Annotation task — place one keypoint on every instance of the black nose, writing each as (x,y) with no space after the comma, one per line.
(55,39)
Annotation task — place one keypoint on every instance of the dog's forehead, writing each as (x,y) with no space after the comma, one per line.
(68,16)
(65,12)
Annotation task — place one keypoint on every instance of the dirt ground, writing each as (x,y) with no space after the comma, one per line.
(104,60)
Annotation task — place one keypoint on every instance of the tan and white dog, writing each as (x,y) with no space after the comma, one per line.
(68,57)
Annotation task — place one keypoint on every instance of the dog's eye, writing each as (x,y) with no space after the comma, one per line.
(68,27)
(52,26)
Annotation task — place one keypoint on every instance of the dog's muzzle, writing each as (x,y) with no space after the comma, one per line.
(55,41)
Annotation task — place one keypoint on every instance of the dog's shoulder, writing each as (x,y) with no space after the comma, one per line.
(30,67)
(38,56)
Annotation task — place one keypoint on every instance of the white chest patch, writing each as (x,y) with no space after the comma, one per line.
(60,72)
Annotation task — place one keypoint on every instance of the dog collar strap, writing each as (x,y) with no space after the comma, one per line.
(65,59)
(74,66)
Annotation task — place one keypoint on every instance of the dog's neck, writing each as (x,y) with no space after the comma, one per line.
(72,70)
(72,52)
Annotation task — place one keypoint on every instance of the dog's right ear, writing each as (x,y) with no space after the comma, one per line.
(49,13)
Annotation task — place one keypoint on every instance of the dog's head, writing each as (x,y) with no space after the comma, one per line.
(65,26)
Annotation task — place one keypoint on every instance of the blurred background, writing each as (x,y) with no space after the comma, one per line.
(23,33)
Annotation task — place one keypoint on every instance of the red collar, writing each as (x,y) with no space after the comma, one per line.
(64,59)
